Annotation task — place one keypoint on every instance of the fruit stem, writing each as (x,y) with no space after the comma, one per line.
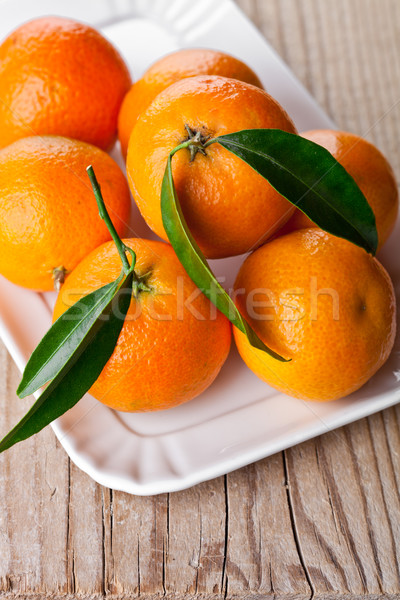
(122,249)
(195,143)
(181,147)
(209,142)
(59,277)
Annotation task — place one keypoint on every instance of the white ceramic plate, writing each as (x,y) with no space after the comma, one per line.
(239,419)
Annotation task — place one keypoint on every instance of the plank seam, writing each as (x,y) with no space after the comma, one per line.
(296,536)
(224,577)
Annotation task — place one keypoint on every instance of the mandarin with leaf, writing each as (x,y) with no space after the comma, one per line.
(229,208)
(173,342)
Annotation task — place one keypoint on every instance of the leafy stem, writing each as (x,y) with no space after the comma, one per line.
(138,284)
(122,249)
(185,144)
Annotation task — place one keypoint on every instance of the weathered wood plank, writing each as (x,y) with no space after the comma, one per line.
(139,544)
(85,551)
(347,512)
(261,554)
(196,539)
(33,501)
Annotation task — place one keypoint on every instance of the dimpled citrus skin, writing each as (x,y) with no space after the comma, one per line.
(167,352)
(58,76)
(339,342)
(228,207)
(173,67)
(370,170)
(48,212)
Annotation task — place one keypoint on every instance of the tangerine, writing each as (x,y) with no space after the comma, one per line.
(58,76)
(229,208)
(48,215)
(322,302)
(173,342)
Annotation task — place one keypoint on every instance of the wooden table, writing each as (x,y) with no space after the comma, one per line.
(319,520)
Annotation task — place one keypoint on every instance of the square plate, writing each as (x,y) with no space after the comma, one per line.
(239,419)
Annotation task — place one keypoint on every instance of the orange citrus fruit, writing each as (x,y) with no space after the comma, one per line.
(58,76)
(173,342)
(173,67)
(48,214)
(370,170)
(322,302)
(229,208)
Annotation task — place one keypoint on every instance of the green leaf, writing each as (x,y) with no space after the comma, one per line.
(310,178)
(66,338)
(195,263)
(77,376)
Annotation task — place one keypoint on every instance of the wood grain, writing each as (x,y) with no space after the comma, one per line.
(321,520)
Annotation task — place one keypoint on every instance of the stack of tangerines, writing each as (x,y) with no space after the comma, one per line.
(319,301)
